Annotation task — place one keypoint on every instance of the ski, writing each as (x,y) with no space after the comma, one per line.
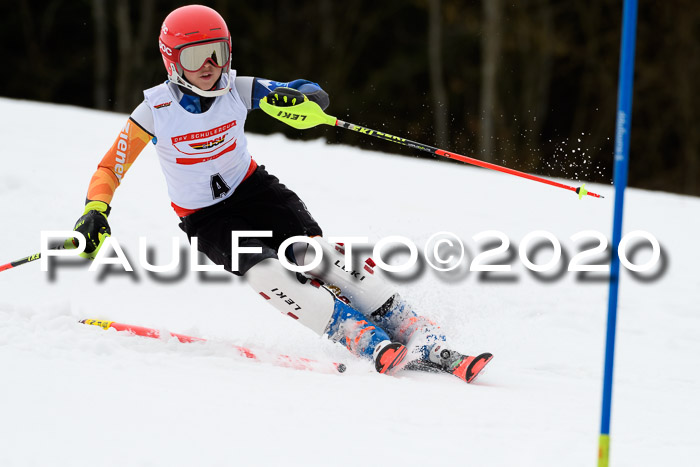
(465,367)
(287,361)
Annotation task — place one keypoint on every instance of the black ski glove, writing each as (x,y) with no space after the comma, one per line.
(287,97)
(94,226)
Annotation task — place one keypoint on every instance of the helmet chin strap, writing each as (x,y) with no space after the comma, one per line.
(175,77)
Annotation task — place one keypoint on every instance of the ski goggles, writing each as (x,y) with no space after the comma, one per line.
(193,57)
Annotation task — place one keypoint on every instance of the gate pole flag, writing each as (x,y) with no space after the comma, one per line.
(622,141)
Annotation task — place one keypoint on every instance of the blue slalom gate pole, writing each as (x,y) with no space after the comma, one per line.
(622,141)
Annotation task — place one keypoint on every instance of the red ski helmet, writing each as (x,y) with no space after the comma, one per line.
(191,36)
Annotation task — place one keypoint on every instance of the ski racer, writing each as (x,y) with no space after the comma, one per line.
(196,121)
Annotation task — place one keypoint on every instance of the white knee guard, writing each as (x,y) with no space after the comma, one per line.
(311,305)
(364,287)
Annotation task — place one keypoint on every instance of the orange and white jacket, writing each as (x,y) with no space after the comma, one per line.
(204,156)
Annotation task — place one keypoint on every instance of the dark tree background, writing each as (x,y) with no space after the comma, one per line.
(531,84)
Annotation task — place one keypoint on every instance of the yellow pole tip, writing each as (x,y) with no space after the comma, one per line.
(581,191)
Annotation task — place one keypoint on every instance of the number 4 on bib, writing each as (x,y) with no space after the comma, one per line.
(219,188)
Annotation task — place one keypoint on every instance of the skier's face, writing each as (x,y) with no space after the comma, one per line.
(205,78)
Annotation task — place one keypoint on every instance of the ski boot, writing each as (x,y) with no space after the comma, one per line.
(402,324)
(363,338)
(426,342)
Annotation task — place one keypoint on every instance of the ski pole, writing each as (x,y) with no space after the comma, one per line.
(308,114)
(34,257)
(20,262)
(298,363)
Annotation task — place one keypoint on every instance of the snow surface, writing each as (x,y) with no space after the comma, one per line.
(76,395)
